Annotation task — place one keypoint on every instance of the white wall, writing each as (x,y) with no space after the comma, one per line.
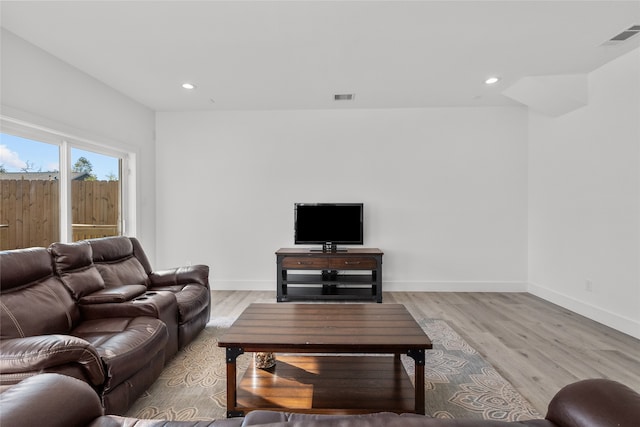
(444,190)
(40,89)
(584,200)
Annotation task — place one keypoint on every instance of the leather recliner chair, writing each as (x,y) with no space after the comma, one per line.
(74,265)
(122,262)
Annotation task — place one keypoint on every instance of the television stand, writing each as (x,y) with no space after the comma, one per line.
(349,274)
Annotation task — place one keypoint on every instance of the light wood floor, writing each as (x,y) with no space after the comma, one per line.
(538,346)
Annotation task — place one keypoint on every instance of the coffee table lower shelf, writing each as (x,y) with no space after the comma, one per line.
(328,384)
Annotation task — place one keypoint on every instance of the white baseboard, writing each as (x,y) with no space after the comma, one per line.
(243,285)
(600,315)
(454,286)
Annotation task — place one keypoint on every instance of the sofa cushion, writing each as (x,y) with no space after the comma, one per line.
(116,262)
(124,344)
(125,272)
(56,311)
(109,249)
(74,265)
(29,287)
(21,267)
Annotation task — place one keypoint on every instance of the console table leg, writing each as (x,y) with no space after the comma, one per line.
(232,355)
(418,357)
(377,279)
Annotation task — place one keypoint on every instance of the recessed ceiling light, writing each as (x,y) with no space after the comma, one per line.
(492,80)
(188,86)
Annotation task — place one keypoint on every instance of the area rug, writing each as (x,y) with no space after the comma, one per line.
(459,382)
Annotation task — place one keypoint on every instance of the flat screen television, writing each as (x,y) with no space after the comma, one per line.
(328,224)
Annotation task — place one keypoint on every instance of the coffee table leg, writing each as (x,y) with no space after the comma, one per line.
(418,357)
(232,355)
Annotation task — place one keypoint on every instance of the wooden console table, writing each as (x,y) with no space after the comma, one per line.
(308,274)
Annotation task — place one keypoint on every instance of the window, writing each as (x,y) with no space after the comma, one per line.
(54,187)
(95,195)
(29,193)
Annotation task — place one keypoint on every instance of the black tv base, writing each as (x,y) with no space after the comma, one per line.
(307,274)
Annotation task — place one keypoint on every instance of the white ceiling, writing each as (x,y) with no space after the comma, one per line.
(298,54)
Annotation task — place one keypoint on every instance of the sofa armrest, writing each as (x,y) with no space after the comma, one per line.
(50,400)
(115,294)
(41,352)
(595,403)
(193,274)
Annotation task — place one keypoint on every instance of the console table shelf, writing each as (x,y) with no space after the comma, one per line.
(343,279)
(351,274)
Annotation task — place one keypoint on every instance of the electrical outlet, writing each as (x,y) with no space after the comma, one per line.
(588,285)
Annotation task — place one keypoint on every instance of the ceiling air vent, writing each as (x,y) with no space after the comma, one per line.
(624,35)
(344,96)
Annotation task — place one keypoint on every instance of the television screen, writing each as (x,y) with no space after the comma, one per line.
(322,223)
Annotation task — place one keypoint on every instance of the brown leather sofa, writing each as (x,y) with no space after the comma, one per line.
(127,286)
(59,401)
(94,310)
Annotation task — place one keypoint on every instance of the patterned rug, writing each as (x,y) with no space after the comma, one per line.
(459,382)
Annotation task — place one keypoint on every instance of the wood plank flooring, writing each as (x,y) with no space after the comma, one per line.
(536,345)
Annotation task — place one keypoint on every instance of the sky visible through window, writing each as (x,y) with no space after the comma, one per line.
(17,153)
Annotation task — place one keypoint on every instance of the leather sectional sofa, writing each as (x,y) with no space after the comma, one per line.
(54,400)
(96,311)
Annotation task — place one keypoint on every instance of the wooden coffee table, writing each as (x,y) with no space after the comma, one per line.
(351,361)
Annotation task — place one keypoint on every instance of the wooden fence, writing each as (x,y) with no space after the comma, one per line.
(29,211)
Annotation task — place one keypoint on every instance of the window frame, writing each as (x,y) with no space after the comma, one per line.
(65,142)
